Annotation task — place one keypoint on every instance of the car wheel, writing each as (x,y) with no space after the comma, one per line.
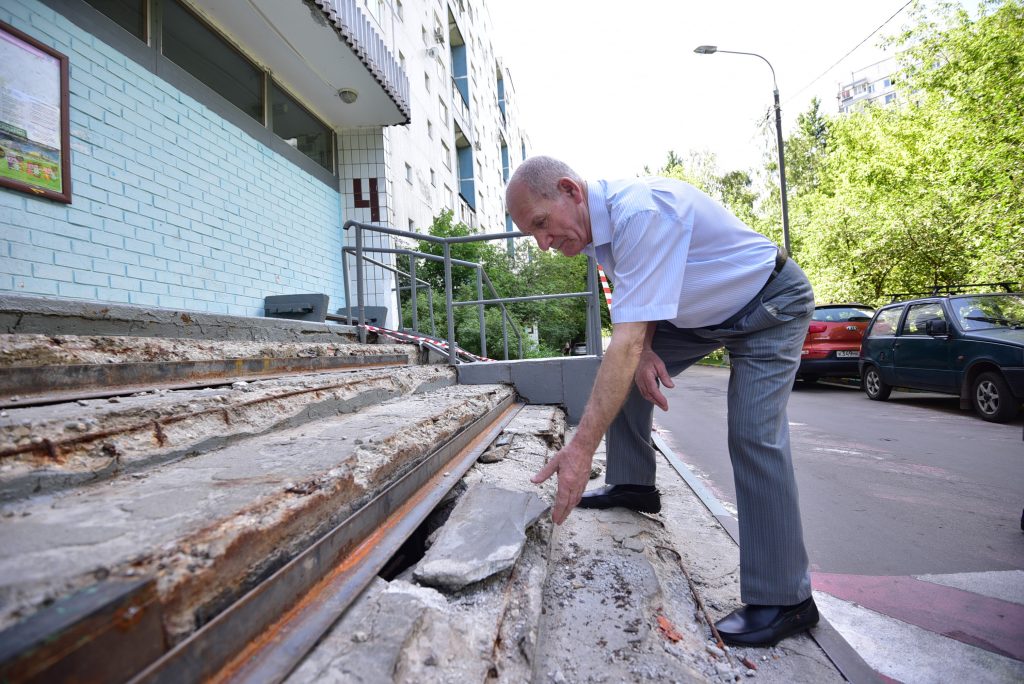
(876,388)
(992,398)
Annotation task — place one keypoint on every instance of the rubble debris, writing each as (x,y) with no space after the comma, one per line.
(484,535)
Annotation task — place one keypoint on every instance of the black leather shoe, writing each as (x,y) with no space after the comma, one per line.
(766,625)
(634,497)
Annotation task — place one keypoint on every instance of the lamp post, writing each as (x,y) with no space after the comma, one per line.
(712,49)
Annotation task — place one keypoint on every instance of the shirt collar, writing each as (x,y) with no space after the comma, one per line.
(600,221)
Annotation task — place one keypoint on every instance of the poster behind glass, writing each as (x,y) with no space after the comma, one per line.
(34,140)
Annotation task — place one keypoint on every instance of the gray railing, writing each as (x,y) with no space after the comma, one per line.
(359,251)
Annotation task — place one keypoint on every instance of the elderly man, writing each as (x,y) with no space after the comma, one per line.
(689,278)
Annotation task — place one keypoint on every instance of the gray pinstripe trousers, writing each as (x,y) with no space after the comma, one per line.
(764,340)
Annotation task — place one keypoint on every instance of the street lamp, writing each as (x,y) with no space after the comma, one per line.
(712,49)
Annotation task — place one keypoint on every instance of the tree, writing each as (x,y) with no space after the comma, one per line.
(526,272)
(903,198)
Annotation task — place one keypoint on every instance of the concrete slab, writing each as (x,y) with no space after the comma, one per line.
(49,448)
(485,632)
(484,535)
(51,316)
(396,633)
(209,526)
(565,381)
(20,350)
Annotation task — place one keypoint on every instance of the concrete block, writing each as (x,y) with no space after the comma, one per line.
(539,382)
(578,375)
(484,535)
(484,373)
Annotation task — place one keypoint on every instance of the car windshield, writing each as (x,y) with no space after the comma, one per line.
(984,312)
(842,314)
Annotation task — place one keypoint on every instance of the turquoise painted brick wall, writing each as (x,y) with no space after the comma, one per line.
(172,205)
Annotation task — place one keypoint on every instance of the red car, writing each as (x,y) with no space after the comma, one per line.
(832,345)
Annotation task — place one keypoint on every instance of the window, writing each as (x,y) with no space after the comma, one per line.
(412,226)
(400,9)
(920,315)
(446,154)
(433,178)
(443,108)
(423,34)
(885,323)
(426,82)
(300,129)
(889,98)
(408,173)
(449,198)
(128,14)
(206,56)
(430,129)
(401,60)
(194,47)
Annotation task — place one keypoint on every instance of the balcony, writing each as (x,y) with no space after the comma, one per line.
(317,56)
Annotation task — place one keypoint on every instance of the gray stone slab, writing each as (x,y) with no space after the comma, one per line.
(565,381)
(397,633)
(53,447)
(210,525)
(484,535)
(29,350)
(539,381)
(53,316)
(578,375)
(485,373)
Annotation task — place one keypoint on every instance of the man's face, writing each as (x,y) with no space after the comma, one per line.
(558,223)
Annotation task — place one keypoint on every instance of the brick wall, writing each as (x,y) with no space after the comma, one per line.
(172,205)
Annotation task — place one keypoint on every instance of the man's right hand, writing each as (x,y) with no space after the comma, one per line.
(649,373)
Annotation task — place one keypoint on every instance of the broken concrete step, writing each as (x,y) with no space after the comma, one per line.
(48,448)
(402,631)
(45,368)
(209,527)
(21,314)
(602,598)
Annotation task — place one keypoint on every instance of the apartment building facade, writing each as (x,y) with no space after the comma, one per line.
(217,147)
(872,84)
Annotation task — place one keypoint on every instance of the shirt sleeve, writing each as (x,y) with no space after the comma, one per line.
(649,249)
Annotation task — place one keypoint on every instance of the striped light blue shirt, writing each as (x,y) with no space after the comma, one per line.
(673,253)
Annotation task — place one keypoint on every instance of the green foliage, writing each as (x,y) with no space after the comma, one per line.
(525,272)
(907,196)
(927,193)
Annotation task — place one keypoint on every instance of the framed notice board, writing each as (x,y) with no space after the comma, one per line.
(34,127)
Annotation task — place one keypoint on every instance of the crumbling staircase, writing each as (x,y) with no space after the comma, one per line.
(191,498)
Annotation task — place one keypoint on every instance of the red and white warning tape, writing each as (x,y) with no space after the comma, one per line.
(406,337)
(604,286)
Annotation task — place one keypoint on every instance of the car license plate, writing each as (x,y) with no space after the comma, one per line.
(847,354)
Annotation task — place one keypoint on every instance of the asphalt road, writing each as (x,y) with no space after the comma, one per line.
(905,487)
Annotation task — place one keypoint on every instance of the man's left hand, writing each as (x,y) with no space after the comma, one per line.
(573,467)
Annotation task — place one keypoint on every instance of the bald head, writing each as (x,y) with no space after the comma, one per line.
(548,201)
(540,175)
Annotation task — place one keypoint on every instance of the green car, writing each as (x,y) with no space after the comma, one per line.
(971,345)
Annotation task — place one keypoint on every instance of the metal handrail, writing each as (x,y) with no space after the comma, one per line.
(412,254)
(593,331)
(399,289)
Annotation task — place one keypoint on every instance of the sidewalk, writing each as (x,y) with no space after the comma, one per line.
(915,630)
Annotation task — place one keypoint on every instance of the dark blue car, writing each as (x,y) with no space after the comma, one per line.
(971,345)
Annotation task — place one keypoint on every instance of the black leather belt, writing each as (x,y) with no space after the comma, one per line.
(781,257)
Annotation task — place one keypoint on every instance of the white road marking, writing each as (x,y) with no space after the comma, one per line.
(911,654)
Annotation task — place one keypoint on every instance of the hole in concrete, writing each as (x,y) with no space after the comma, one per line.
(410,553)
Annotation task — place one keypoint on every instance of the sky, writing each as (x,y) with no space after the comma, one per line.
(611,87)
